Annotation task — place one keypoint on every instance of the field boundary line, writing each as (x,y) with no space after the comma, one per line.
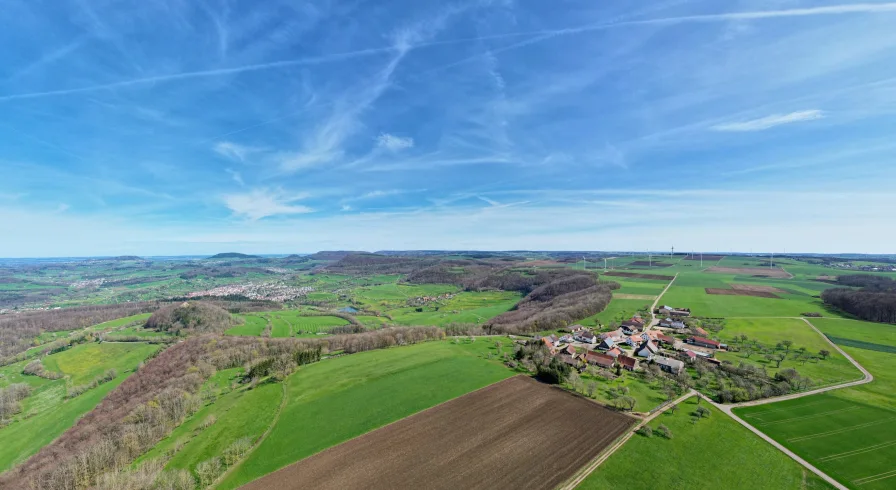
(839,431)
(583,473)
(726,409)
(872,478)
(260,440)
(374,429)
(857,451)
(804,417)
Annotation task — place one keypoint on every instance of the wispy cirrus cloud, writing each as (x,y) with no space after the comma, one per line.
(264,203)
(234,151)
(768,122)
(394,143)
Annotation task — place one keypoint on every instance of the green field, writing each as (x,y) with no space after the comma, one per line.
(47,413)
(239,413)
(24,438)
(848,433)
(465,307)
(798,297)
(333,401)
(120,322)
(82,363)
(769,331)
(252,326)
(715,452)
(852,442)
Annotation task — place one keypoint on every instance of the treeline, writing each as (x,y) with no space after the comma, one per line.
(18,330)
(555,304)
(194,316)
(50,348)
(870,305)
(163,393)
(868,281)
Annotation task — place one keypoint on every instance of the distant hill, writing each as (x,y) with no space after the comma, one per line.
(234,255)
(332,254)
(127,257)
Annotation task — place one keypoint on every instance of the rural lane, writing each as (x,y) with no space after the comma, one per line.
(582,474)
(653,319)
(868,377)
(727,409)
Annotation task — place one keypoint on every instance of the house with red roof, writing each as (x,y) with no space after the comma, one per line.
(628,363)
(598,359)
(704,342)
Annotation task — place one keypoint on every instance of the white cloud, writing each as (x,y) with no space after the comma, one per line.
(234,151)
(63,207)
(346,207)
(235,176)
(262,203)
(293,160)
(768,122)
(394,143)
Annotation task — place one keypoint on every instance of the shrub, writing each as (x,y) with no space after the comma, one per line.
(208,470)
(234,452)
(664,431)
(645,431)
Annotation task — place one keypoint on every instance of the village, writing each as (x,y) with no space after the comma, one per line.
(667,341)
(265,291)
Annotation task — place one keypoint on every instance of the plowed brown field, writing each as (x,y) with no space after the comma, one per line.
(518,433)
(741,292)
(751,271)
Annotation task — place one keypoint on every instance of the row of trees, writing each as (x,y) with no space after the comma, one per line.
(109,375)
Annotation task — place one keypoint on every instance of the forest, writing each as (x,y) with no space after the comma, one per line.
(874,302)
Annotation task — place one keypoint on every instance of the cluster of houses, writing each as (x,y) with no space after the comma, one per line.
(634,340)
(422,300)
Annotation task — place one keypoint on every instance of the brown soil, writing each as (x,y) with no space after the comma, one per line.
(710,258)
(518,433)
(539,263)
(752,271)
(741,292)
(756,287)
(638,276)
(647,263)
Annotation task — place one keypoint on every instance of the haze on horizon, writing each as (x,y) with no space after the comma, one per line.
(180,128)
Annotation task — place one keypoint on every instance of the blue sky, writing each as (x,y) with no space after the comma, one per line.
(191,126)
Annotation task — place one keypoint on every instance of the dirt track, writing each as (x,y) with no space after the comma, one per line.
(514,434)
(752,271)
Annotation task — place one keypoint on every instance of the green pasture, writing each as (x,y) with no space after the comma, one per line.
(770,331)
(714,452)
(238,413)
(465,307)
(23,438)
(82,363)
(333,401)
(617,311)
(253,325)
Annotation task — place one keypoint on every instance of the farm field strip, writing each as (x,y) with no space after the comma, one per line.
(486,432)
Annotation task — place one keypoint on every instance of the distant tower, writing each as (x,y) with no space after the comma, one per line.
(673,252)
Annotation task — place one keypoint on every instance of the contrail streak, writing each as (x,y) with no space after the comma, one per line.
(861,8)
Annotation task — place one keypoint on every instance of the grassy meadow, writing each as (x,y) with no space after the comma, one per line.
(333,401)
(769,331)
(714,452)
(47,413)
